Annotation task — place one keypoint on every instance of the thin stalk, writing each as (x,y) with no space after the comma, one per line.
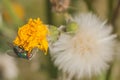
(113,20)
(49,12)
(108,75)
(110,9)
(115,13)
(89,5)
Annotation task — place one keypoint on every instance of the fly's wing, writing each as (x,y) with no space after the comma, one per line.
(11,53)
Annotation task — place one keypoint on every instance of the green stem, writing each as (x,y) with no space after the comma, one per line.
(115,13)
(108,75)
(89,5)
(49,12)
(110,9)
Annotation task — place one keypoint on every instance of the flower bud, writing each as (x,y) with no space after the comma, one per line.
(54,33)
(71,27)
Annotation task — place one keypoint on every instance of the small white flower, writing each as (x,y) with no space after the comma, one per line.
(89,51)
(8,68)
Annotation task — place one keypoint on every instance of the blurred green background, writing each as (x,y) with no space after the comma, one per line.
(15,13)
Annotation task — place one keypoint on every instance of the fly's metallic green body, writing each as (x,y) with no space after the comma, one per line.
(20,52)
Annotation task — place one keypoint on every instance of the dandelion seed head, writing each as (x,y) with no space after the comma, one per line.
(89,51)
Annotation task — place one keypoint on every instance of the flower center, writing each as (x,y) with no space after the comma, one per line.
(84,43)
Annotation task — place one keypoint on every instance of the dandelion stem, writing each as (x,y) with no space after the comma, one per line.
(89,5)
(115,13)
(109,72)
(110,9)
(49,15)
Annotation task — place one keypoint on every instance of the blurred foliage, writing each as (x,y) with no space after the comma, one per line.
(14,13)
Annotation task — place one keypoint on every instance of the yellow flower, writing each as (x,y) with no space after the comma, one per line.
(32,35)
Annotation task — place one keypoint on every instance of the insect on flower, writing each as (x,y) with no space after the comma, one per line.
(30,37)
(18,52)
